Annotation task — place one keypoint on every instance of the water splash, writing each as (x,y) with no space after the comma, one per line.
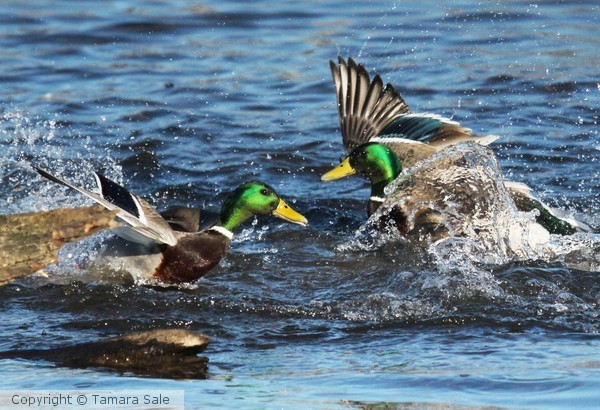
(462,191)
(30,140)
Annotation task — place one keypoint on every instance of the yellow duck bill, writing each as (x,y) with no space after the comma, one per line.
(284,211)
(341,171)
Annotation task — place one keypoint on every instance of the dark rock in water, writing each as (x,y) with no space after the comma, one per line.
(166,353)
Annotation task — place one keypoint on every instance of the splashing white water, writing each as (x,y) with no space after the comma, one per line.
(30,141)
(462,189)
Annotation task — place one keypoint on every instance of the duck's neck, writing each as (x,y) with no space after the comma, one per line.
(378,188)
(388,171)
(377,196)
(233,214)
(232,220)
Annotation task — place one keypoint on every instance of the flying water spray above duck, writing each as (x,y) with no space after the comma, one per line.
(382,136)
(175,251)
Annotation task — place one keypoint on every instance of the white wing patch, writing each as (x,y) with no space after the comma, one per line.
(140,209)
(396,140)
(433,117)
(150,223)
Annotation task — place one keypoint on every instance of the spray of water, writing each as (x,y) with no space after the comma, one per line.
(462,189)
(28,141)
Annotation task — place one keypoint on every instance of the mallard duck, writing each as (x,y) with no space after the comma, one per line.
(178,252)
(371,112)
(382,135)
(381,165)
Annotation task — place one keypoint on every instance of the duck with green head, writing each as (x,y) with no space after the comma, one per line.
(381,135)
(169,248)
(381,166)
(376,162)
(370,111)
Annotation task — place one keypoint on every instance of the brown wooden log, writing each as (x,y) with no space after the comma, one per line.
(31,241)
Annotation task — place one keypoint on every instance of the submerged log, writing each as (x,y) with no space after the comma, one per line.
(169,353)
(31,241)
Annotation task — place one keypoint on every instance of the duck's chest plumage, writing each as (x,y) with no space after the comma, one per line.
(192,257)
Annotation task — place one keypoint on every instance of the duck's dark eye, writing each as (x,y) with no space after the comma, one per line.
(264,192)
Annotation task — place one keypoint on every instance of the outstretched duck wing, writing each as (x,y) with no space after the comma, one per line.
(368,109)
(131,209)
(431,129)
(365,107)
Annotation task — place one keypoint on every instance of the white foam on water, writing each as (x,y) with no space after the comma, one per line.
(464,187)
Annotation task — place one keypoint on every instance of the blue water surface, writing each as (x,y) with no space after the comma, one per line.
(183,100)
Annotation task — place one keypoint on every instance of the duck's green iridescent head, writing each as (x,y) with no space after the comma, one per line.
(255,198)
(372,160)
